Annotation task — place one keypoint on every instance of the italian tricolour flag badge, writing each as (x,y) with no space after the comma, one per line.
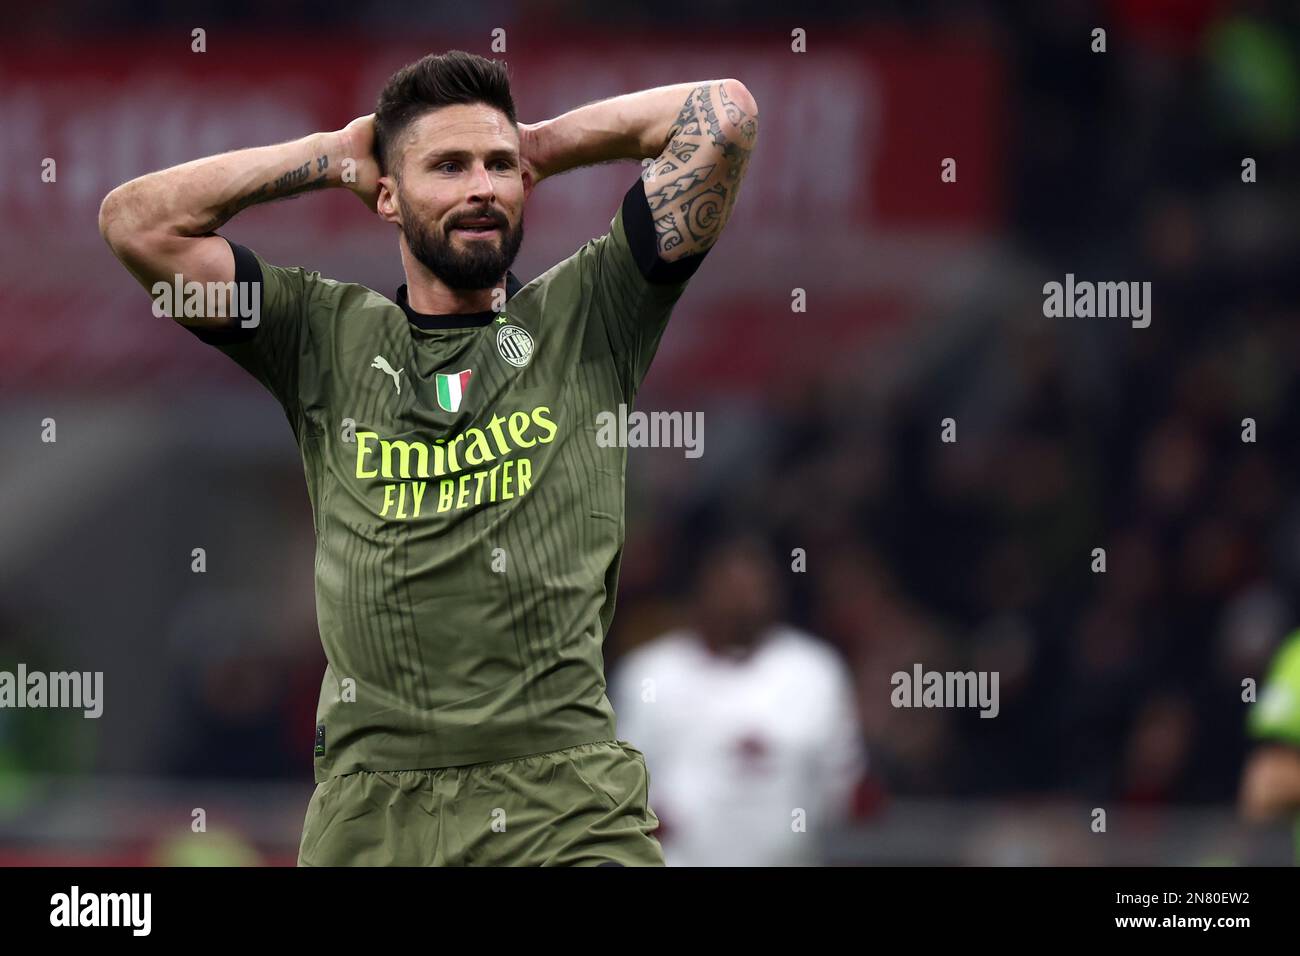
(451,389)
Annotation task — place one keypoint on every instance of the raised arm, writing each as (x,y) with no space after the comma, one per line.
(700,136)
(162,224)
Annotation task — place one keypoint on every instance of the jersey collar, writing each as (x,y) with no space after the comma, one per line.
(459,320)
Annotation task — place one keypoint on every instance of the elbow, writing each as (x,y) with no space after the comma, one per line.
(121,225)
(111,217)
(737,94)
(738,116)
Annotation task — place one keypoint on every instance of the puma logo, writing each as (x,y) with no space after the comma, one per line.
(381,363)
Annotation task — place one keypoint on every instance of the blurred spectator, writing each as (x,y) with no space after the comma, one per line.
(749,727)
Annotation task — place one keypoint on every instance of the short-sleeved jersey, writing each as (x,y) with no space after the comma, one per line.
(469,523)
(1276,715)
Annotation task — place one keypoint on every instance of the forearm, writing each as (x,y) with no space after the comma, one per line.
(631,126)
(198,197)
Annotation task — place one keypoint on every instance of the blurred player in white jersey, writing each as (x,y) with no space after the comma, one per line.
(749,726)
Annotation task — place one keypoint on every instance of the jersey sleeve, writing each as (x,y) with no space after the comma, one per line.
(633,290)
(271,348)
(1276,715)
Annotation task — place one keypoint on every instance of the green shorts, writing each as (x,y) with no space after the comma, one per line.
(582,806)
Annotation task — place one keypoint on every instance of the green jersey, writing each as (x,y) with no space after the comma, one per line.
(469,525)
(1276,716)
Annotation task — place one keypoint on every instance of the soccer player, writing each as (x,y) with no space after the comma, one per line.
(1270,783)
(469,528)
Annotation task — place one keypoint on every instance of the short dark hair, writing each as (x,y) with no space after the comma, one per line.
(437,80)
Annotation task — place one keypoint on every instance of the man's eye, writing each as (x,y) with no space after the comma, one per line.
(446,165)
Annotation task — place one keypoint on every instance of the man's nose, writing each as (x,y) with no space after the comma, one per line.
(481,184)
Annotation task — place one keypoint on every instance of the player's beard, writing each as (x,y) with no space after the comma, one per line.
(479,265)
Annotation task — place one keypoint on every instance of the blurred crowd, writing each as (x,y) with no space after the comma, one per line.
(1072,435)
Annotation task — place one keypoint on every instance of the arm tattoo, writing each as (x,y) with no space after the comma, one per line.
(682,149)
(285,186)
(693,183)
(704,211)
(677,188)
(738,152)
(666,230)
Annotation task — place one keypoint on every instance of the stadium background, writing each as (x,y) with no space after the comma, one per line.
(924,302)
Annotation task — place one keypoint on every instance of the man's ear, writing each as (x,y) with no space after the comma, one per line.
(529,183)
(387,206)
